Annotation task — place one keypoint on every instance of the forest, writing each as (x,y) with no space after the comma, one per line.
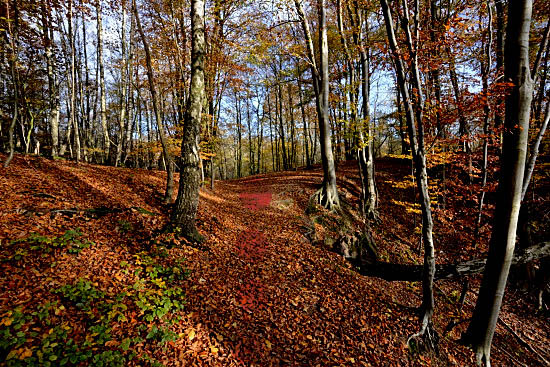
(274,182)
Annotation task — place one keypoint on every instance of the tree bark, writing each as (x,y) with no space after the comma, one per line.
(534,153)
(72,92)
(103,101)
(123,90)
(413,273)
(303,114)
(485,69)
(156,109)
(185,211)
(327,195)
(249,128)
(516,126)
(53,95)
(414,116)
(14,44)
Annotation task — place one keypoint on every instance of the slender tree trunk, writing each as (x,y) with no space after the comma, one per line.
(14,40)
(259,135)
(130,124)
(85,93)
(485,69)
(366,149)
(327,195)
(516,126)
(238,156)
(53,96)
(281,124)
(292,155)
(270,130)
(414,116)
(73,121)
(156,109)
(500,7)
(103,101)
(123,90)
(534,153)
(304,119)
(249,126)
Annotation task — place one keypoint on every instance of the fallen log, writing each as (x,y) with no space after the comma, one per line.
(413,273)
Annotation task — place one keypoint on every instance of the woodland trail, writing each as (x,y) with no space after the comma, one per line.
(267,292)
(279,299)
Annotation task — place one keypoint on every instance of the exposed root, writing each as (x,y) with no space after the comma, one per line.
(327,198)
(371,215)
(190,235)
(426,340)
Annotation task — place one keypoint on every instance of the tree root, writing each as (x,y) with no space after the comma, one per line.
(426,340)
(190,235)
(326,198)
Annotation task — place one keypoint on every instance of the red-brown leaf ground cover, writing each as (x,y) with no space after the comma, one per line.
(267,292)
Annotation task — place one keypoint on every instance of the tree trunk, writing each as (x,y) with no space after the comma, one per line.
(292,154)
(327,195)
(304,119)
(14,40)
(414,115)
(72,91)
(239,136)
(185,211)
(534,153)
(485,69)
(53,96)
(103,102)
(156,109)
(281,123)
(123,90)
(391,272)
(500,7)
(501,247)
(249,126)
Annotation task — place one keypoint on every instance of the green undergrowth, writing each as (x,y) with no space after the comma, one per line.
(88,321)
(71,241)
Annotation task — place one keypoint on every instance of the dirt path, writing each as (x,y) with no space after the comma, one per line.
(276,300)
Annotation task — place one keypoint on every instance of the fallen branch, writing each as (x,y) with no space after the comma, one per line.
(523,342)
(413,273)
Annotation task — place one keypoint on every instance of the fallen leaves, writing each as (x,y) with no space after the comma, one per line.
(261,296)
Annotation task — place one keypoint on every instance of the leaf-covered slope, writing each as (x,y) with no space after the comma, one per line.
(267,292)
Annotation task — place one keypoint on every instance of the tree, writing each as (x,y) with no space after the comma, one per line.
(327,195)
(414,108)
(156,109)
(103,103)
(72,83)
(53,94)
(515,136)
(13,33)
(185,210)
(365,145)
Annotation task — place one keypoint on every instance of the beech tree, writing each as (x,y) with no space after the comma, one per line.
(514,150)
(103,104)
(414,109)
(327,195)
(185,210)
(168,161)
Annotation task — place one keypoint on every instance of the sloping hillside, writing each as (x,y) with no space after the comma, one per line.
(83,258)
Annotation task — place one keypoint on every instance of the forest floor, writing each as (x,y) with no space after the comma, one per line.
(88,277)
